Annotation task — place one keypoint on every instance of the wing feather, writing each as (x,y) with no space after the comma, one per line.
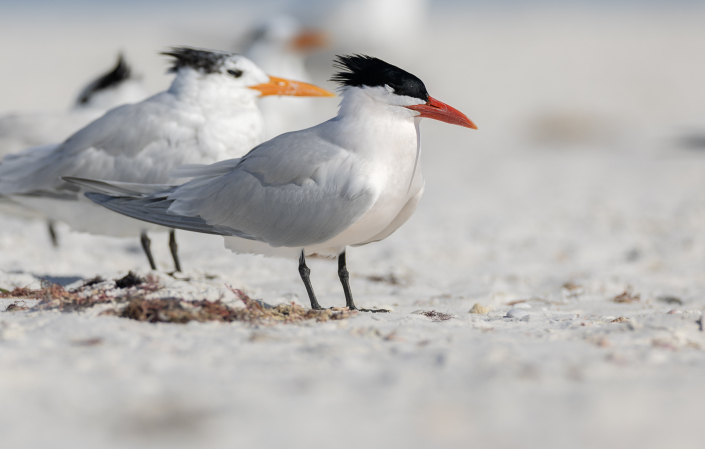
(295,190)
(150,129)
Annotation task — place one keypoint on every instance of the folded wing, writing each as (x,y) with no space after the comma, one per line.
(295,190)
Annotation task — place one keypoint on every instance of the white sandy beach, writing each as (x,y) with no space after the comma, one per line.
(574,190)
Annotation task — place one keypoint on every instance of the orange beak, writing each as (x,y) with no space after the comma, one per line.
(281,86)
(438,110)
(309,40)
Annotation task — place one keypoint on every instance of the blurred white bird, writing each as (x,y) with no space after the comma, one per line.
(118,86)
(21,131)
(280,46)
(208,114)
(349,181)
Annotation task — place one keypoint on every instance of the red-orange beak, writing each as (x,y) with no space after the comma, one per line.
(438,110)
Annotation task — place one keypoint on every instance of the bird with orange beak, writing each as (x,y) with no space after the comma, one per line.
(208,114)
(349,181)
(280,45)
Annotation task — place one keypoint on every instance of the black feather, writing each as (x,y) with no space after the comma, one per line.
(117,75)
(362,70)
(205,61)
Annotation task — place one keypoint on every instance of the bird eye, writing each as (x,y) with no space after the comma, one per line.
(236,73)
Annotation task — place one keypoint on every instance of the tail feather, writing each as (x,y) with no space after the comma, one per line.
(154,209)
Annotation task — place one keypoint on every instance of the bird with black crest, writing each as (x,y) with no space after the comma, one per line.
(208,114)
(349,181)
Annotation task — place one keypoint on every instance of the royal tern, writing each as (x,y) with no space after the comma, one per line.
(208,114)
(352,180)
(280,45)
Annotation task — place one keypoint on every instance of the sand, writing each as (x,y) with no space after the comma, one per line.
(574,206)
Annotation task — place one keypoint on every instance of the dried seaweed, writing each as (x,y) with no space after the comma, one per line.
(166,310)
(176,310)
(57,297)
(21,292)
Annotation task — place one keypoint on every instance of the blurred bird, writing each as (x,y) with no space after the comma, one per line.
(389,26)
(114,88)
(280,46)
(208,114)
(349,181)
(20,131)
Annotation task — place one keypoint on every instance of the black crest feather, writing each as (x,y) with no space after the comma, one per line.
(362,70)
(205,61)
(117,75)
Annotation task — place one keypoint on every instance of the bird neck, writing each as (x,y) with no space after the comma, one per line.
(365,125)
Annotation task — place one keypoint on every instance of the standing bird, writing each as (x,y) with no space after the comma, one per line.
(208,114)
(280,46)
(352,180)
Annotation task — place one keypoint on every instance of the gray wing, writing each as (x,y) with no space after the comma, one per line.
(154,210)
(106,149)
(295,190)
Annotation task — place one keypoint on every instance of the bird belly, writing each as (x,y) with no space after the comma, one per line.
(373,226)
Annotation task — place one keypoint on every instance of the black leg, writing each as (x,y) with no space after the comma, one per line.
(52,233)
(304,271)
(146,244)
(174,250)
(344,279)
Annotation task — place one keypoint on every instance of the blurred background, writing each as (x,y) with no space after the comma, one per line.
(588,166)
(552,71)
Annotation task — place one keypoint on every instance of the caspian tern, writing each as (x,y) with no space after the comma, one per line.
(208,114)
(350,181)
(280,45)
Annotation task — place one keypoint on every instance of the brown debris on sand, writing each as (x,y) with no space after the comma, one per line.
(53,296)
(20,292)
(134,291)
(433,315)
(175,310)
(627,296)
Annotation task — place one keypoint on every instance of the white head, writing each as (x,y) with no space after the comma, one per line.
(230,77)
